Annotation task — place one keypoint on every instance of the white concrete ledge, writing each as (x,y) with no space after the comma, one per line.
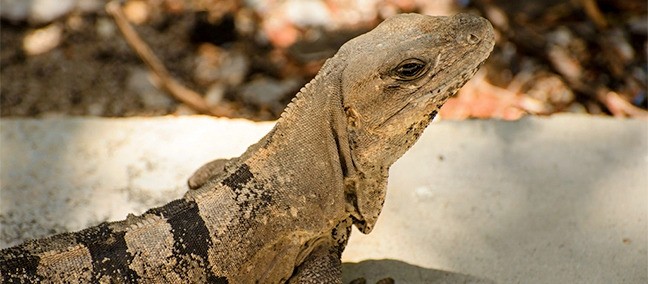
(541,200)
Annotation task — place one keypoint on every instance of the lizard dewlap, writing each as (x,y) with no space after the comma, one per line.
(283,211)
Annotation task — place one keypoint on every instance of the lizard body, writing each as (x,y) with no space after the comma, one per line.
(283,210)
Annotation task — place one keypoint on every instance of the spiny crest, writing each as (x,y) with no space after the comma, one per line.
(296,101)
(306,93)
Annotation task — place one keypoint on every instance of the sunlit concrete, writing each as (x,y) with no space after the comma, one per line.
(542,200)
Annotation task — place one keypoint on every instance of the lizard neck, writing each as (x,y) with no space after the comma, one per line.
(311,107)
(315,120)
(308,150)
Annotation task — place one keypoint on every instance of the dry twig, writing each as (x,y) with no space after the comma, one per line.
(594,13)
(618,106)
(162,75)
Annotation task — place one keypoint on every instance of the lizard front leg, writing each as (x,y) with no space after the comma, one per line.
(213,169)
(323,265)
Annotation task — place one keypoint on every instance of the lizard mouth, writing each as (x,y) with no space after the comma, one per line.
(432,100)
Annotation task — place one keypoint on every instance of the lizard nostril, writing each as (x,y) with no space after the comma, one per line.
(472,39)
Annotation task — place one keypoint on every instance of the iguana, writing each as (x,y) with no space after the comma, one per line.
(283,210)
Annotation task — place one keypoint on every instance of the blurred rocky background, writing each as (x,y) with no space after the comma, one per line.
(248,58)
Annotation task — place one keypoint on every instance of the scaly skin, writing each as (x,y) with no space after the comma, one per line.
(282,211)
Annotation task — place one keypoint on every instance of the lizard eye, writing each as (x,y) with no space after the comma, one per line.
(409,69)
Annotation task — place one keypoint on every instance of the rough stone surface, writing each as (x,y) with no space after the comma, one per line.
(541,200)
(44,11)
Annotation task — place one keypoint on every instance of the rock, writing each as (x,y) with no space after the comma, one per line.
(140,82)
(548,87)
(105,28)
(42,40)
(304,13)
(215,94)
(136,12)
(89,6)
(268,93)
(45,11)
(15,10)
(215,64)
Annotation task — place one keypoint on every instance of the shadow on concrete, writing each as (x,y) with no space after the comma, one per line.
(559,195)
(402,272)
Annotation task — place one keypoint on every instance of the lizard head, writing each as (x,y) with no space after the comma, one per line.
(395,79)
